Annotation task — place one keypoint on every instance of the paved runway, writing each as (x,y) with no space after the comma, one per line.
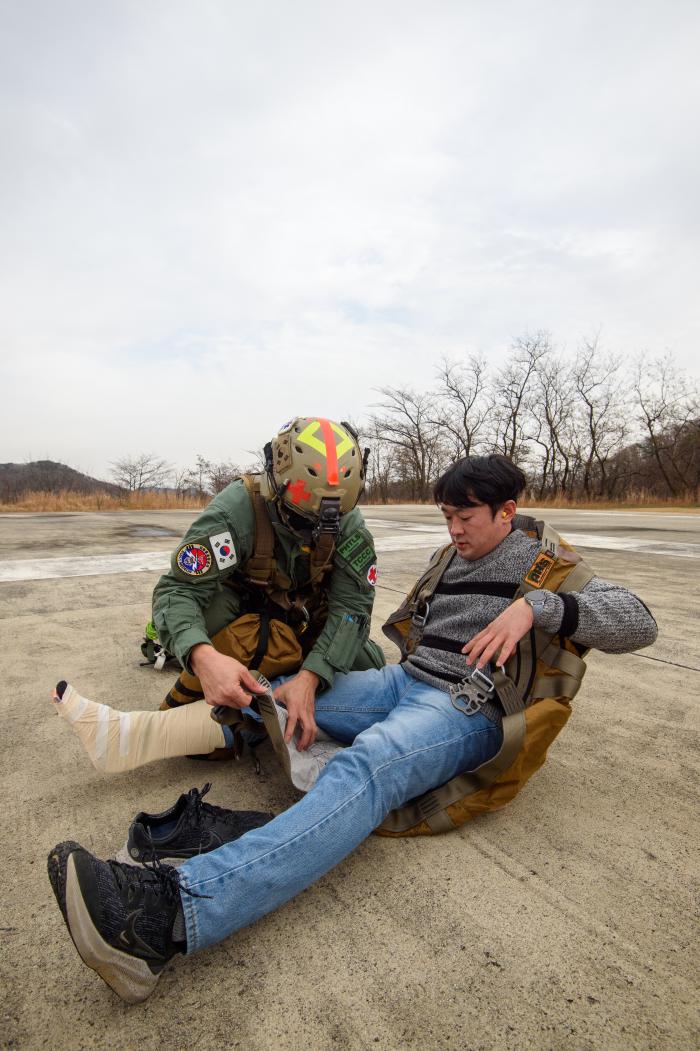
(395,529)
(565,921)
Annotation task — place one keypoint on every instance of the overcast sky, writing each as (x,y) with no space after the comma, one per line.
(215,215)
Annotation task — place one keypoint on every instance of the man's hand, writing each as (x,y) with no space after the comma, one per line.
(299,696)
(224,680)
(502,634)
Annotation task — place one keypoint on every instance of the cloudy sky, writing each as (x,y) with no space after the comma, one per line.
(215,215)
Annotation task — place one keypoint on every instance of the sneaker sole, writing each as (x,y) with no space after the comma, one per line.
(130,978)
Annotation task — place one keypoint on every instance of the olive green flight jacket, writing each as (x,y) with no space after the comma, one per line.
(201,594)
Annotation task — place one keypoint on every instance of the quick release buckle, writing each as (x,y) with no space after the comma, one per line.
(419,619)
(471,694)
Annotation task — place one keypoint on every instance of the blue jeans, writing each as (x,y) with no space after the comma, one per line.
(406,739)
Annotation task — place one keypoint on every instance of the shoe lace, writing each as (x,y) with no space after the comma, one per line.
(199,809)
(156,884)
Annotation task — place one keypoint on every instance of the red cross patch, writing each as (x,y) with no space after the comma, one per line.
(372,574)
(298,491)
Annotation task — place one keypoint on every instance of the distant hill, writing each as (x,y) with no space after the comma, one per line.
(50,477)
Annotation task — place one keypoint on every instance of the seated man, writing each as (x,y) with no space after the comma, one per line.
(407,733)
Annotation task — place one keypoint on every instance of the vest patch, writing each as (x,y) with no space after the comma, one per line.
(349,545)
(539,570)
(357,552)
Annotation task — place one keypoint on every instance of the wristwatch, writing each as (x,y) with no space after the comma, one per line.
(537,600)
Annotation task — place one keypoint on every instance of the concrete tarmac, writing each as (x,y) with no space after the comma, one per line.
(565,921)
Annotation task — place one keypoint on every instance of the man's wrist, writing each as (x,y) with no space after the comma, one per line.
(309,676)
(199,655)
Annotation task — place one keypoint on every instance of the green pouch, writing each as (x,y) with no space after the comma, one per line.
(343,645)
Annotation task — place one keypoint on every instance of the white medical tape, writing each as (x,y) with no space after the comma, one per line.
(102,733)
(73,716)
(124,727)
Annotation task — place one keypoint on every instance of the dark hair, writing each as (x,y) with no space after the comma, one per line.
(480,480)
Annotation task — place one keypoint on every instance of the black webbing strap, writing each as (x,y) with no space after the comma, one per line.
(263,639)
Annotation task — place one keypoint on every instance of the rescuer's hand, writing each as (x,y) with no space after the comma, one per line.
(224,680)
(299,697)
(501,636)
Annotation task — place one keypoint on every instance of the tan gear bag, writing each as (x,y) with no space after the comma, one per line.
(281,654)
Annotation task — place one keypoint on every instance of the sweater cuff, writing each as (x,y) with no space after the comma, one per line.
(551,614)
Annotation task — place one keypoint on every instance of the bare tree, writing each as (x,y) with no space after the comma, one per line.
(462,402)
(551,425)
(603,424)
(197,476)
(513,394)
(219,475)
(668,407)
(136,473)
(408,426)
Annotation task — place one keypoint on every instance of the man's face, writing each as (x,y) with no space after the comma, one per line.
(474,531)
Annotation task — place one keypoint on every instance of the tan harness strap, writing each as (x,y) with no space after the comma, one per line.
(512,699)
(419,602)
(554,686)
(427,807)
(321,560)
(432,578)
(563,660)
(577,578)
(260,568)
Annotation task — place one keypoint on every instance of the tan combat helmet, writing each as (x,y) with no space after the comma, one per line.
(315,463)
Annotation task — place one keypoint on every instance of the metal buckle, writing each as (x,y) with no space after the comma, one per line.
(419,619)
(471,694)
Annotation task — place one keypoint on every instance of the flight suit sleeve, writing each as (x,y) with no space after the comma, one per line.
(216,542)
(350,600)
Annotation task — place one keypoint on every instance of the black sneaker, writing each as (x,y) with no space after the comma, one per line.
(188,828)
(119,917)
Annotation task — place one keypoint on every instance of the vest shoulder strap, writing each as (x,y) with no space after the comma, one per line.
(262,565)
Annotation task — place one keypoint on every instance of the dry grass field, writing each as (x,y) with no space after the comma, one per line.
(67,500)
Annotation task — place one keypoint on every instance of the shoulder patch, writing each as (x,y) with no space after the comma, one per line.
(539,570)
(357,551)
(194,559)
(224,551)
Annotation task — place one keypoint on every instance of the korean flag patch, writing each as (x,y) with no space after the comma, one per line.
(224,551)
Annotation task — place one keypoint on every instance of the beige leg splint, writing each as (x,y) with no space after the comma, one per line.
(119,741)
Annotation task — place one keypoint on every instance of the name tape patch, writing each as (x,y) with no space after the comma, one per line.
(357,552)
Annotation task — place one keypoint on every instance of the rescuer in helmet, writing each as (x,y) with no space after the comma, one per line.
(288,551)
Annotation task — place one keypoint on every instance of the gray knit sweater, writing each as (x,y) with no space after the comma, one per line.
(610,618)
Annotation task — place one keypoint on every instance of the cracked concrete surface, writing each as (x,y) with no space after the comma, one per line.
(567,920)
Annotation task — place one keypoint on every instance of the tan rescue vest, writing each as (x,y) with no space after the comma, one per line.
(535,689)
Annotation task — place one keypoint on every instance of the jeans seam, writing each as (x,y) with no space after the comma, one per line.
(341,806)
(355,711)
